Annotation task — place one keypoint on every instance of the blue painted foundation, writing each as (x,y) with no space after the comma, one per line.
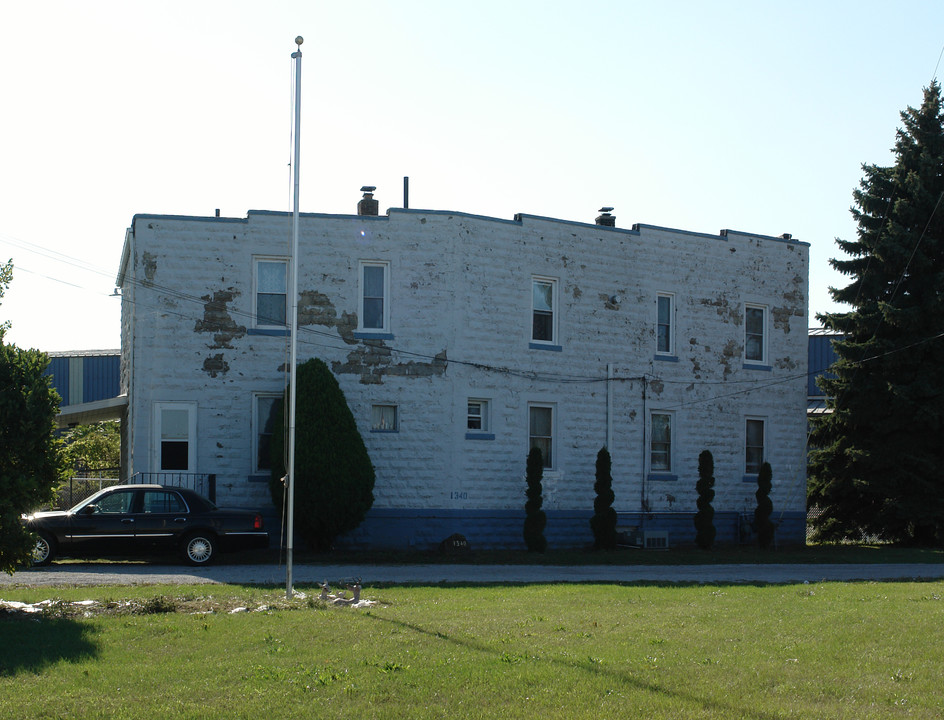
(402,529)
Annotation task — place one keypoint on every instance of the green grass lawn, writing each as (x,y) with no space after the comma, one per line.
(830,650)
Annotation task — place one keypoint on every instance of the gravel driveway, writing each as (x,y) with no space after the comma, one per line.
(84,574)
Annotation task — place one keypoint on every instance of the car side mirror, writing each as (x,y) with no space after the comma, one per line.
(90,509)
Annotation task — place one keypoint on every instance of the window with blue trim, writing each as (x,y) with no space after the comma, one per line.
(660,443)
(271,280)
(384,418)
(544,310)
(665,330)
(374,297)
(264,406)
(755,335)
(753,445)
(541,432)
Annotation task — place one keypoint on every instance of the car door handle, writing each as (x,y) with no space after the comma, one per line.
(180,520)
(127,521)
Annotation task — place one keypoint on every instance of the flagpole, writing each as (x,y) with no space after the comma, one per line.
(290,474)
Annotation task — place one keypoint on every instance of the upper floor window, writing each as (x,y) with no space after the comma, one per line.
(541,432)
(375,296)
(660,444)
(755,335)
(271,279)
(753,446)
(665,332)
(544,310)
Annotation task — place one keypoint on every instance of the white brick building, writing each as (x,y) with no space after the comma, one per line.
(460,340)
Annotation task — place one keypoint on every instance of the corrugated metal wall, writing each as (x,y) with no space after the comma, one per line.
(821,356)
(85,378)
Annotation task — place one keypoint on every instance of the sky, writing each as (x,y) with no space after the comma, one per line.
(754,116)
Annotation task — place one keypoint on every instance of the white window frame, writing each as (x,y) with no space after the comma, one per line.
(555,314)
(256,261)
(157,435)
(257,428)
(550,464)
(382,427)
(748,472)
(762,360)
(361,291)
(482,416)
(670,300)
(670,470)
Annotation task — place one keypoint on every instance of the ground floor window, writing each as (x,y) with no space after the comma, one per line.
(384,418)
(264,418)
(660,444)
(175,436)
(753,446)
(541,432)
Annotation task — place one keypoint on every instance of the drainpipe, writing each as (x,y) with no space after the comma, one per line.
(645,464)
(609,407)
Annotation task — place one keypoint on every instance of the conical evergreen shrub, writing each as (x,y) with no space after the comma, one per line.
(334,477)
(534,518)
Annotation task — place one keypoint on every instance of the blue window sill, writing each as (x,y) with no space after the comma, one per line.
(545,346)
(663,477)
(270,332)
(368,335)
(749,478)
(757,366)
(667,358)
(479,436)
(385,432)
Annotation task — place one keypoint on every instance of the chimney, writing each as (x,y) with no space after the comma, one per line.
(367,205)
(605,218)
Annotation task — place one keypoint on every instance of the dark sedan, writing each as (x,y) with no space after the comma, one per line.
(132,519)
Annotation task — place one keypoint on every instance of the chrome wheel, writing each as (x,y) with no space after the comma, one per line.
(44,550)
(199,549)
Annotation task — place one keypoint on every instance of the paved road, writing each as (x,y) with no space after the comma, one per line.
(84,574)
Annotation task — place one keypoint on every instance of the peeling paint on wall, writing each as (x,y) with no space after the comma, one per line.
(731,351)
(374,361)
(215,365)
(149,261)
(724,309)
(217,320)
(316,308)
(794,308)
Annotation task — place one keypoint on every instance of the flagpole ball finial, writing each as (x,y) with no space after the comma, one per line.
(299,40)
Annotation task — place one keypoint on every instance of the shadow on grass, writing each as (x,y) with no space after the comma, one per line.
(30,644)
(622,677)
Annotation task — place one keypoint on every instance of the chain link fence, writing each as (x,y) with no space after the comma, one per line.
(862,539)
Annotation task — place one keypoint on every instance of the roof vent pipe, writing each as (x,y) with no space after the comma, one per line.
(605,218)
(367,204)
(406,193)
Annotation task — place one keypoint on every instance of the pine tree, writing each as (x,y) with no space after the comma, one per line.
(535,520)
(877,465)
(334,478)
(603,522)
(705,517)
(30,455)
